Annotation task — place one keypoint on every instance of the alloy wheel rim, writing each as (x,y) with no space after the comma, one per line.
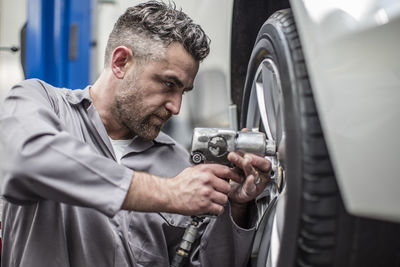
(266,113)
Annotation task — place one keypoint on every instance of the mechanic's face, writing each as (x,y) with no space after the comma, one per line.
(152,93)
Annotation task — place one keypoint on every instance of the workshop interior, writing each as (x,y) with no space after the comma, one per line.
(63,42)
(321,81)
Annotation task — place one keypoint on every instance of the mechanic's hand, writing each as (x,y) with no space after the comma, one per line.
(257,171)
(203,189)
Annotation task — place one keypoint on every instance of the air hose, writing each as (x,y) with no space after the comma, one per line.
(190,235)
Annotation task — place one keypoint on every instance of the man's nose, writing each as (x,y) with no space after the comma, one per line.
(174,104)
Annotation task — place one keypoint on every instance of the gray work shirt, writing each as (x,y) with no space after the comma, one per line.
(64,190)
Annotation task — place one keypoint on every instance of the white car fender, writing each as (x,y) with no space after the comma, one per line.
(353,60)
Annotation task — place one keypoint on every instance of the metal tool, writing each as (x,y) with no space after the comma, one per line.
(212,145)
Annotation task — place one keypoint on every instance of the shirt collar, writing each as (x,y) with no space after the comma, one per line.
(138,144)
(163,138)
(78,96)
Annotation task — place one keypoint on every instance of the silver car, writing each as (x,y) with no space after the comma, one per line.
(322,79)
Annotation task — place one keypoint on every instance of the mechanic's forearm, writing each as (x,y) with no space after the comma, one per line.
(148,193)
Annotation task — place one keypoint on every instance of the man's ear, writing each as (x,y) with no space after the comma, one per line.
(121,57)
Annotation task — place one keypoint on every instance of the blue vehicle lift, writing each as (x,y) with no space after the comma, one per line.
(58,42)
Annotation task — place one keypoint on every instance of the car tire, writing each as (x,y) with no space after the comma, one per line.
(311,223)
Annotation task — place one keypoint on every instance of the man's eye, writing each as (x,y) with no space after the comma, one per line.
(170,85)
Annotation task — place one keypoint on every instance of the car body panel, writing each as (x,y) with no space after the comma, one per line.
(352,55)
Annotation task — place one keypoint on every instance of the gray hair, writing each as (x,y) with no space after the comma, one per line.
(149,28)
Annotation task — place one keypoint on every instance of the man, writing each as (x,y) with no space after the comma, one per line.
(85,173)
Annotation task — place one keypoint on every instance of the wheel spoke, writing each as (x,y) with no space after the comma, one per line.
(266,100)
(253,114)
(266,105)
(261,102)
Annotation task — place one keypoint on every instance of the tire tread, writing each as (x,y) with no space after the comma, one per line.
(320,200)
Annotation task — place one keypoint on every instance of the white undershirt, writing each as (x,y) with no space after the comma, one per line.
(119,147)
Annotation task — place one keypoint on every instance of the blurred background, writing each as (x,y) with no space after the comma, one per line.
(62,42)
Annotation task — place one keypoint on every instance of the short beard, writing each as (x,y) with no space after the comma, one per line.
(145,130)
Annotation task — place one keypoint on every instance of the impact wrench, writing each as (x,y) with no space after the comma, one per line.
(212,145)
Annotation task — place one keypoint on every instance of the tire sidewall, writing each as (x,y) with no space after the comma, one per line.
(271,44)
